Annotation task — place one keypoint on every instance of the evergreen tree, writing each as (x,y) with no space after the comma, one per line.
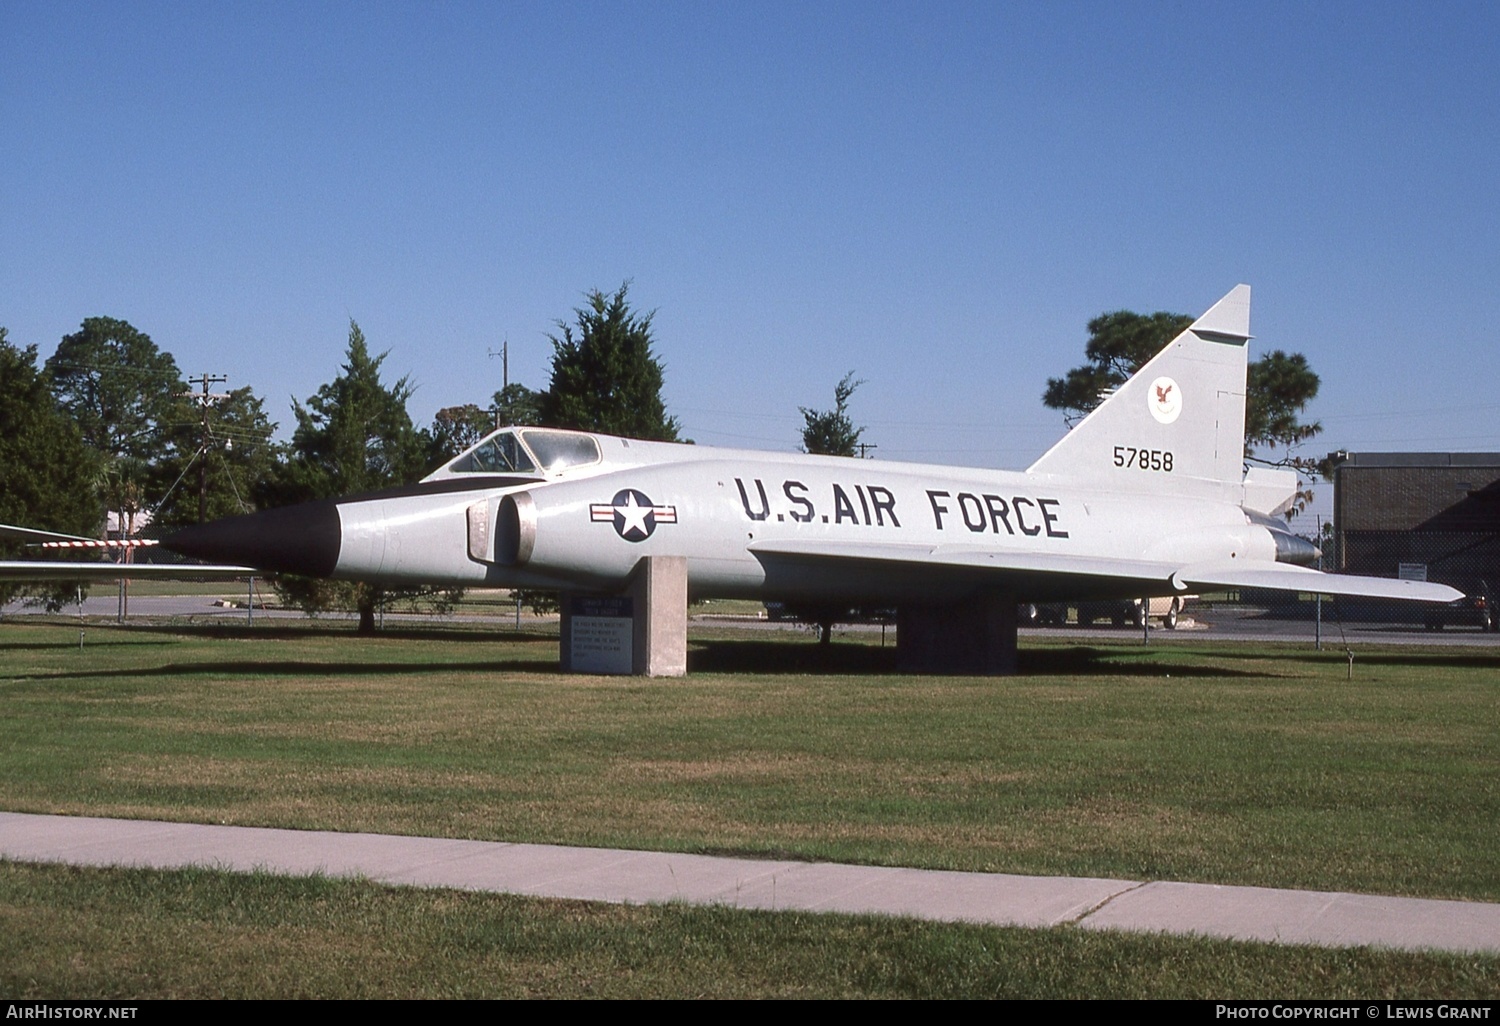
(353,436)
(1278,388)
(1279,385)
(1119,343)
(517,404)
(831,432)
(44,468)
(605,378)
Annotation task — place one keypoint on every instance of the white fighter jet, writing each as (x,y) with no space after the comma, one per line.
(1147,496)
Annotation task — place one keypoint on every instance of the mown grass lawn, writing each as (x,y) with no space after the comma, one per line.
(137,934)
(1249,765)
(1260,765)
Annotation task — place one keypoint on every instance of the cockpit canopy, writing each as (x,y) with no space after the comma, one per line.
(540,451)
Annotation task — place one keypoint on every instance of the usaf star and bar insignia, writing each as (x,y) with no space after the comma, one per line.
(634,515)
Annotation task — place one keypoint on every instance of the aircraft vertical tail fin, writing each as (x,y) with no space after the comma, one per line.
(1178,422)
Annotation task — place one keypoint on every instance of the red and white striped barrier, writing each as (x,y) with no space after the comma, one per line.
(136,543)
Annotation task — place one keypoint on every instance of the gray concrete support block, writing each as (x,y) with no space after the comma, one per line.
(976,635)
(659,590)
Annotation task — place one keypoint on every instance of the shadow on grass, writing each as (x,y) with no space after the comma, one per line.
(52,646)
(268,630)
(711,656)
(1083,661)
(720,655)
(782,657)
(301,669)
(479,634)
(706,655)
(1458,658)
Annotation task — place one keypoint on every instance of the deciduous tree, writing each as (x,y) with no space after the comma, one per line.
(517,404)
(44,467)
(120,390)
(456,428)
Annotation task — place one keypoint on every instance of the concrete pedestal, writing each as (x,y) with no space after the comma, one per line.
(659,590)
(974,636)
(643,632)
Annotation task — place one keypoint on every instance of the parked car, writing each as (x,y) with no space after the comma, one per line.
(832,614)
(1473,610)
(1133,612)
(1045,614)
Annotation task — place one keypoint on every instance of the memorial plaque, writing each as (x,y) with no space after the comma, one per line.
(602,634)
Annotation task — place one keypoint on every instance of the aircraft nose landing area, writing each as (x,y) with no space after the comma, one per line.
(639,877)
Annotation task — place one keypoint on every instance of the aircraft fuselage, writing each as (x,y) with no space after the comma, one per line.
(733,519)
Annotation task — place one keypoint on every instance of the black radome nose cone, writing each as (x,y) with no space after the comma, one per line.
(301,539)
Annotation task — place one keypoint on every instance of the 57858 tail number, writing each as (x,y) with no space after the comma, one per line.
(1132,458)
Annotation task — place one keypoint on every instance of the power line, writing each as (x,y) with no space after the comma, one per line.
(205,399)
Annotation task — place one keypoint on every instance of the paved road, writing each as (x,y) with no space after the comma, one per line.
(1224,624)
(1228,623)
(642,877)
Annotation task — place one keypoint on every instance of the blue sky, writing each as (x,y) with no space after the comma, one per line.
(937,196)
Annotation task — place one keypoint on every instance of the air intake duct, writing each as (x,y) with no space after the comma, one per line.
(515,529)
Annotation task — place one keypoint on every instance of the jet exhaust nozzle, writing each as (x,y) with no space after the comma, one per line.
(1290,548)
(1294,549)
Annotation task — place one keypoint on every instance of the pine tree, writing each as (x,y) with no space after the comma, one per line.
(353,436)
(831,432)
(606,378)
(1278,387)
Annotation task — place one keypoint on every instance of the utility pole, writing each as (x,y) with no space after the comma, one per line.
(1318,598)
(205,399)
(504,355)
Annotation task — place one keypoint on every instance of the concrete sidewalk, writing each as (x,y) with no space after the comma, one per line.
(640,877)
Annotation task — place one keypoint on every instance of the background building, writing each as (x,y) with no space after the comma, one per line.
(1429,515)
